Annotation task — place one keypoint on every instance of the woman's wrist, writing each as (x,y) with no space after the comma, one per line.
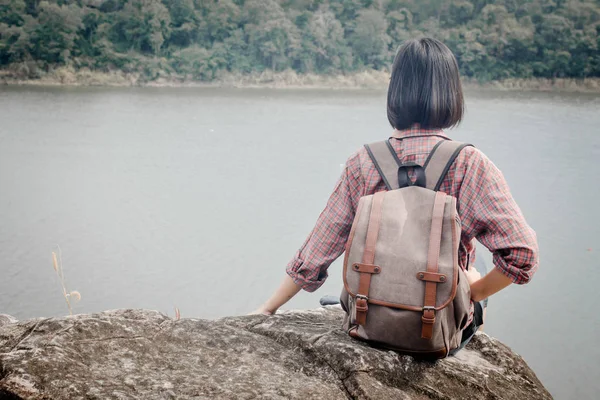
(490,284)
(270,308)
(476,292)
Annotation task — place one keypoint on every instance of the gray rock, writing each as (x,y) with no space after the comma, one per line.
(136,354)
(6,319)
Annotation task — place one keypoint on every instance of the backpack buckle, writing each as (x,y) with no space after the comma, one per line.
(361,306)
(362,303)
(428,315)
(427,319)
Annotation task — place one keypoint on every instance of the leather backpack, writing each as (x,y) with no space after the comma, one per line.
(403,287)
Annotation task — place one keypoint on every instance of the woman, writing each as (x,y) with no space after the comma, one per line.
(424,97)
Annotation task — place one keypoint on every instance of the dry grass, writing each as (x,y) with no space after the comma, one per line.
(588,85)
(69,76)
(85,77)
(289,79)
(71,297)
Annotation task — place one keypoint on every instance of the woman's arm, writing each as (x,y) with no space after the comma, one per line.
(491,283)
(282,295)
(482,288)
(489,213)
(308,268)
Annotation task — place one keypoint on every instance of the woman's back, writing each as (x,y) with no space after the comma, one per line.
(424,97)
(484,199)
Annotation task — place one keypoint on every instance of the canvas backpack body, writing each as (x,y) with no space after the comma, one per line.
(403,287)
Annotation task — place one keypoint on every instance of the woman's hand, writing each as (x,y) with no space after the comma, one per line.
(262,310)
(472,275)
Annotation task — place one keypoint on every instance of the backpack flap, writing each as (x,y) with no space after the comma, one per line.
(392,255)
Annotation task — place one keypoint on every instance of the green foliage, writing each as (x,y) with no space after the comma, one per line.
(142,25)
(52,35)
(200,39)
(324,48)
(12,12)
(184,23)
(369,39)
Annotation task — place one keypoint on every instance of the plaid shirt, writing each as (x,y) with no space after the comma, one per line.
(487,210)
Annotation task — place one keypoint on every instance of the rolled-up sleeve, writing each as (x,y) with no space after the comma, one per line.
(328,238)
(490,214)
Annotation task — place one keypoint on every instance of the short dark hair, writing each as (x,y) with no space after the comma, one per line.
(425,86)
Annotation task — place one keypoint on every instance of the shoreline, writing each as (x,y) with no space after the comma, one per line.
(366,80)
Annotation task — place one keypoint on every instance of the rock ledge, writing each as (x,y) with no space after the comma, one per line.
(138,354)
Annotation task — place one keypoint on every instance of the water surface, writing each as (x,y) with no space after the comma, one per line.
(197,199)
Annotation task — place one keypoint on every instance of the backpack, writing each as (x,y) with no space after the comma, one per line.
(403,287)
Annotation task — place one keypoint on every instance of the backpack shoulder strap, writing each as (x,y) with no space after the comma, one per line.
(386,161)
(440,160)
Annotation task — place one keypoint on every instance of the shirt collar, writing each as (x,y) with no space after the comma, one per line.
(418,131)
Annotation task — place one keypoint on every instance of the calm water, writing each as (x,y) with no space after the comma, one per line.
(198,198)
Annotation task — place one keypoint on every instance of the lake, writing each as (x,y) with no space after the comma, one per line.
(198,198)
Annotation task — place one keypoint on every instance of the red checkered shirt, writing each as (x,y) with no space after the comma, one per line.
(487,210)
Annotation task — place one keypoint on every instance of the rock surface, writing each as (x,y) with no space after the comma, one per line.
(136,354)
(6,319)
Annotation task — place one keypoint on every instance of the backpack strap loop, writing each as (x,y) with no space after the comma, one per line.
(403,178)
(393,173)
(431,175)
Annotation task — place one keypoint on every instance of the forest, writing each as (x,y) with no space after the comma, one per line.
(203,39)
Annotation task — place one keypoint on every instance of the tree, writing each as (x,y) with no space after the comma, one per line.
(222,20)
(325,49)
(459,12)
(12,12)
(203,38)
(273,39)
(142,25)
(184,23)
(369,39)
(52,36)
